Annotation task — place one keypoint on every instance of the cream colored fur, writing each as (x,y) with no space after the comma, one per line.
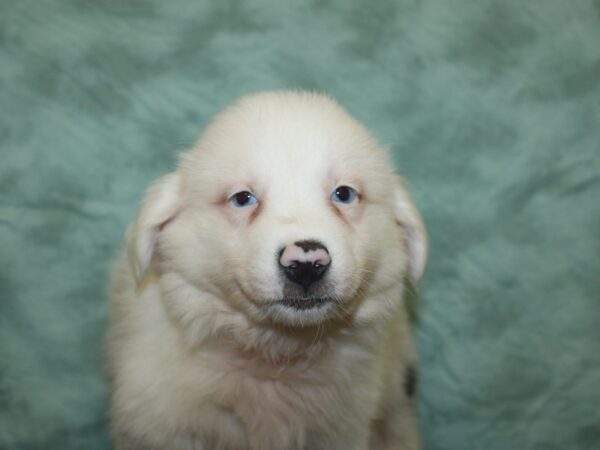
(200,354)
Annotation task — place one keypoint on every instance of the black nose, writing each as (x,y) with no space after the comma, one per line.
(305,274)
(304,262)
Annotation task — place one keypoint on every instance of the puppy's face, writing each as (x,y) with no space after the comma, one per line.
(287,211)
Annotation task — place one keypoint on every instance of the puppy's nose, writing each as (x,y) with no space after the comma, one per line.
(304,262)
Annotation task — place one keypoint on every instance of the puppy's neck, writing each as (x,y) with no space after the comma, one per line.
(273,347)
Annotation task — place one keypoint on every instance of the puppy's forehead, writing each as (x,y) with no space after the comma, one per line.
(271,134)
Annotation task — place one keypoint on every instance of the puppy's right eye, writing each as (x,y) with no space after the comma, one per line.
(344,194)
(243,199)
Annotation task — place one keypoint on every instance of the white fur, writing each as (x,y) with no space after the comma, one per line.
(201,355)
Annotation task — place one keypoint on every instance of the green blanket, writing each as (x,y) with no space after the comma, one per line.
(492,108)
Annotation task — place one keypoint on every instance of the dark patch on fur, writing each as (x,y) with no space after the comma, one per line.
(309,245)
(411,378)
(411,300)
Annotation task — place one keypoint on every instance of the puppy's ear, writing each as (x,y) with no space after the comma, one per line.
(410,220)
(159,207)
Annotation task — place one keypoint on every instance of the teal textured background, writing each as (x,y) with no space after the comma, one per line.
(492,108)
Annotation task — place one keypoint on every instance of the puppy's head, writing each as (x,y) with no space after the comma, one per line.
(287,211)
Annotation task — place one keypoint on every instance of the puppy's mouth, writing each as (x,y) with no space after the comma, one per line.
(300,311)
(304,303)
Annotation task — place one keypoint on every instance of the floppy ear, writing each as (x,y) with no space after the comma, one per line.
(159,207)
(409,218)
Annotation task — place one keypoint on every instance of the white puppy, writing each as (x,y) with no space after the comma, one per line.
(258,304)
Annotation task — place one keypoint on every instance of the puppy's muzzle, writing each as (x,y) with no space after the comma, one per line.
(304,262)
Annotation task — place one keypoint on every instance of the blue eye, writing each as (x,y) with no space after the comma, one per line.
(344,194)
(243,199)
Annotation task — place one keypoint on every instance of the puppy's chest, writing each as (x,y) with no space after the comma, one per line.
(267,393)
(282,406)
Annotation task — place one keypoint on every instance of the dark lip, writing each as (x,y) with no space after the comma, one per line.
(304,303)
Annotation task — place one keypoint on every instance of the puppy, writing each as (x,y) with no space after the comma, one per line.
(258,302)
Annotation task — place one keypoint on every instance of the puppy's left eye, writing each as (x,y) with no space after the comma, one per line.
(243,199)
(344,194)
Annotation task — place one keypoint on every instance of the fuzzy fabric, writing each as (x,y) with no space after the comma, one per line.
(492,108)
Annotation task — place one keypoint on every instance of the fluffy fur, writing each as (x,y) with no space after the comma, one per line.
(203,355)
